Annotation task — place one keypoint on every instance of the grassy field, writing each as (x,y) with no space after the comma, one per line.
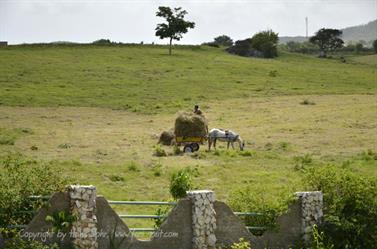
(96,113)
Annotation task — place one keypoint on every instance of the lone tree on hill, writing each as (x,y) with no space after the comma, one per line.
(175,27)
(327,40)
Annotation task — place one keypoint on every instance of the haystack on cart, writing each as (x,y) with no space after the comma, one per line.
(190,131)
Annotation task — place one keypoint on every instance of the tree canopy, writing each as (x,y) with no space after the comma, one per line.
(175,27)
(266,42)
(327,40)
(223,40)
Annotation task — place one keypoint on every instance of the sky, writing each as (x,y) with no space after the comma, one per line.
(133,21)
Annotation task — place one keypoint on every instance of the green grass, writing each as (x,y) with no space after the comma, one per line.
(367,59)
(145,79)
(293,112)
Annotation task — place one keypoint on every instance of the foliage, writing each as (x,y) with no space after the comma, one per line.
(19,179)
(180,183)
(301,47)
(327,40)
(252,199)
(223,40)
(351,206)
(61,221)
(242,48)
(18,243)
(375,46)
(102,42)
(242,244)
(358,47)
(319,240)
(266,42)
(161,211)
(175,27)
(301,162)
(159,151)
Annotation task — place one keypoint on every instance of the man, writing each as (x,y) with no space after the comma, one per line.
(197,110)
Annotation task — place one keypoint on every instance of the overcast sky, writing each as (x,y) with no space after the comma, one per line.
(27,21)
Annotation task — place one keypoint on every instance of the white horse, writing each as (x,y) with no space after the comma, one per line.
(225,136)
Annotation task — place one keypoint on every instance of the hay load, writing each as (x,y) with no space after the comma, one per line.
(190,125)
(167,137)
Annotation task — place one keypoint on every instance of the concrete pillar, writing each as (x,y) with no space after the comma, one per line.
(311,211)
(203,219)
(83,207)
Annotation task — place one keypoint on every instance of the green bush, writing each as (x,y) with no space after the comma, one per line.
(319,240)
(159,151)
(241,245)
(266,42)
(350,219)
(180,183)
(18,243)
(19,179)
(255,199)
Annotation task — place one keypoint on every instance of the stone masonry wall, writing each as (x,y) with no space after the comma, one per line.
(311,211)
(83,207)
(203,219)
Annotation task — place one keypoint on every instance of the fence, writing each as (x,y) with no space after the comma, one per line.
(142,216)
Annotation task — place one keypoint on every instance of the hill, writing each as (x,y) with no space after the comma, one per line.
(366,32)
(119,77)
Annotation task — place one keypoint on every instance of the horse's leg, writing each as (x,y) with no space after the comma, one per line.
(227,146)
(209,143)
(214,143)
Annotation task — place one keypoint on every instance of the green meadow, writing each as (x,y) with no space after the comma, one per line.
(95,113)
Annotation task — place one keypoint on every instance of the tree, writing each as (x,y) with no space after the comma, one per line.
(175,27)
(223,40)
(359,47)
(266,42)
(327,40)
(375,46)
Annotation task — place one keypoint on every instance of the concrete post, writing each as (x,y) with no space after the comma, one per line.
(311,211)
(83,206)
(203,219)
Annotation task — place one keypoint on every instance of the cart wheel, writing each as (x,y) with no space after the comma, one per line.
(195,146)
(188,149)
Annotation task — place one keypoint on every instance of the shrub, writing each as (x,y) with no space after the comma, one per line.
(375,46)
(319,240)
(16,242)
(61,221)
(254,199)
(350,219)
(159,151)
(180,183)
(161,211)
(223,40)
(19,179)
(242,244)
(302,161)
(133,166)
(102,42)
(266,42)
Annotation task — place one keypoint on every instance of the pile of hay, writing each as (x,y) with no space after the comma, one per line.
(190,125)
(167,137)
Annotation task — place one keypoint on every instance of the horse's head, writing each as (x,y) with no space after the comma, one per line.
(241,142)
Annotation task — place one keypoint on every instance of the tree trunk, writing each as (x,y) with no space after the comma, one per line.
(171,39)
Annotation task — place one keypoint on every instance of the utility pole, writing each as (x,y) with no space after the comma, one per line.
(306,22)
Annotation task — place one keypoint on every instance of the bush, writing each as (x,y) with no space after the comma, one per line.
(254,199)
(241,245)
(180,183)
(350,219)
(242,48)
(19,179)
(102,42)
(223,40)
(159,151)
(375,46)
(18,243)
(266,42)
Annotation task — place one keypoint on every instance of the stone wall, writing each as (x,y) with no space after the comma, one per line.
(198,221)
